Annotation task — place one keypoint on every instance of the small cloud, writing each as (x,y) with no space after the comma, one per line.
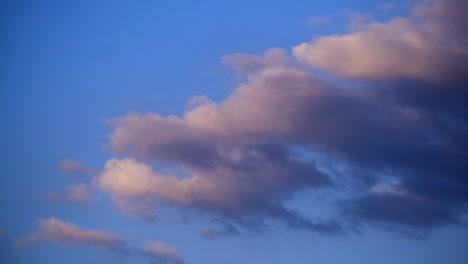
(62,232)
(74,167)
(162,252)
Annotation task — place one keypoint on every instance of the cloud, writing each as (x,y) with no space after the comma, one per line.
(223,191)
(430,45)
(76,168)
(161,252)
(62,232)
(80,193)
(284,130)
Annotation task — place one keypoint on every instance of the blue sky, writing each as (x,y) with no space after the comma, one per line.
(325,132)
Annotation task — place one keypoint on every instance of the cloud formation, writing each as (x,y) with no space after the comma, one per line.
(394,144)
(62,232)
(161,252)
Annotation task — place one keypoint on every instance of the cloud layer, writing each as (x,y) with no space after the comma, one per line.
(393,145)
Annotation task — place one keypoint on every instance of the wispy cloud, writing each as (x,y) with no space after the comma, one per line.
(160,252)
(62,232)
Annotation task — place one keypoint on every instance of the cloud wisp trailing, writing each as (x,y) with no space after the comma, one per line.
(396,143)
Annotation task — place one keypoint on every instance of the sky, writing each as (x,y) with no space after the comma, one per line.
(222,132)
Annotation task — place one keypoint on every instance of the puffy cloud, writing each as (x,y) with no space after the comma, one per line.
(242,158)
(161,252)
(430,45)
(76,168)
(62,232)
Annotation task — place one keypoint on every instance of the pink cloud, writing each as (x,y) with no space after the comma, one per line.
(62,232)
(424,46)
